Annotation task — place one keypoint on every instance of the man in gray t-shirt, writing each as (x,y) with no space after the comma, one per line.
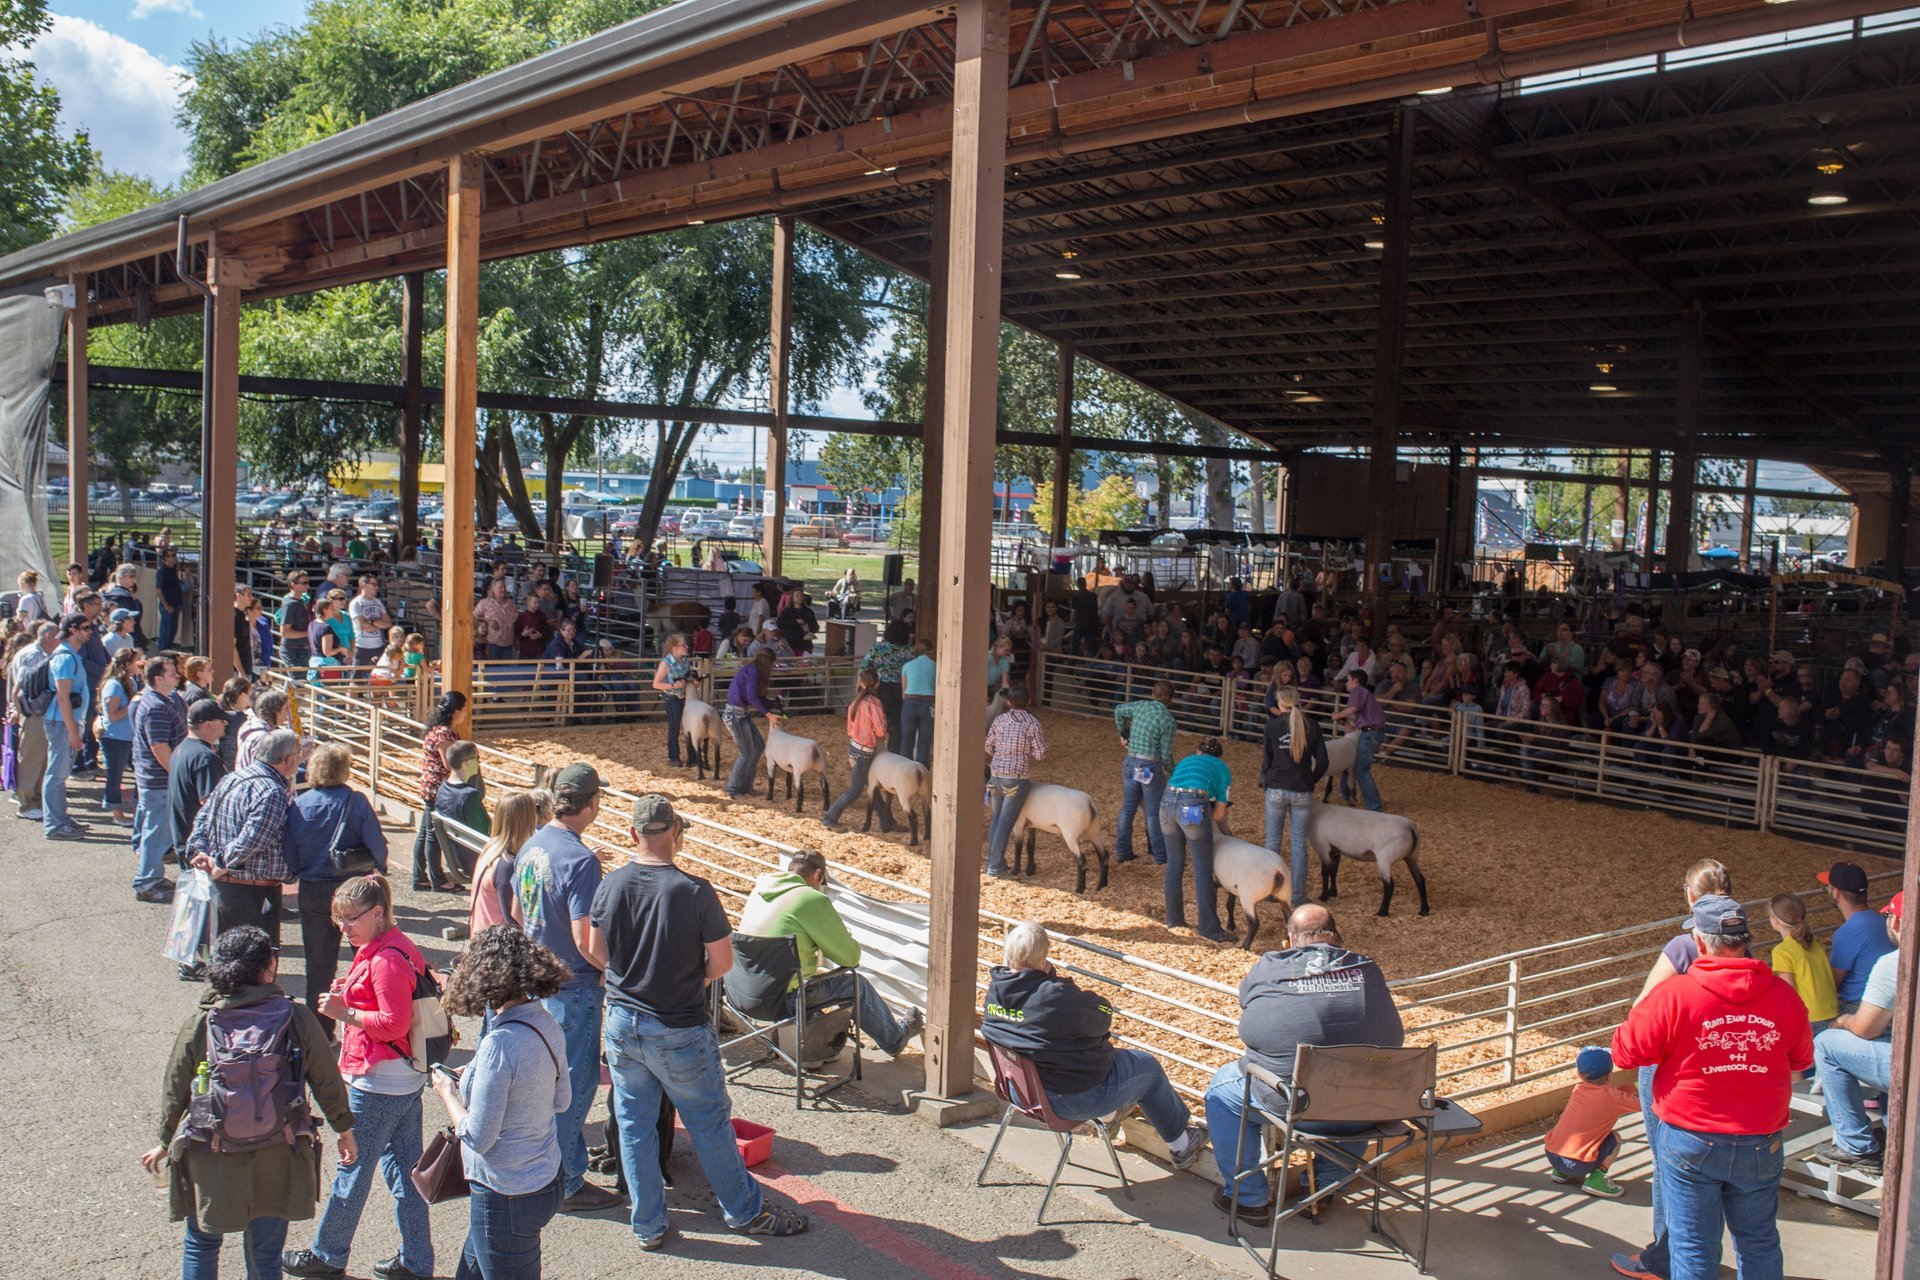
(1314,992)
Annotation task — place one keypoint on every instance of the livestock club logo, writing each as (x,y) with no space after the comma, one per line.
(1740,1037)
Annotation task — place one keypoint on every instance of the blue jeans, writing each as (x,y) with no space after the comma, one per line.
(386,1125)
(1006,798)
(119,754)
(747,746)
(169,627)
(1654,1257)
(861,763)
(675,708)
(1228,1121)
(1363,772)
(1281,803)
(1713,1179)
(1132,793)
(499,652)
(503,1232)
(1180,838)
(1135,1076)
(264,1239)
(647,1058)
(152,835)
(1851,1070)
(577,1010)
(876,1015)
(916,728)
(53,792)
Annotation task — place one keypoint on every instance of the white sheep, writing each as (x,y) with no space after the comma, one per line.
(998,707)
(701,725)
(798,757)
(1342,754)
(1387,838)
(1251,874)
(910,785)
(1071,815)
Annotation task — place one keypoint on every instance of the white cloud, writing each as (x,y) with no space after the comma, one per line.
(119,92)
(185,8)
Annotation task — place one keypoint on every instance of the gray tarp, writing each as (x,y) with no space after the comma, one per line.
(30,327)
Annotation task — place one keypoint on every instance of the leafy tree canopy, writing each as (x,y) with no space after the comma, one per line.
(39,165)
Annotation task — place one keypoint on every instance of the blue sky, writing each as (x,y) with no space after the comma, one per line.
(117,65)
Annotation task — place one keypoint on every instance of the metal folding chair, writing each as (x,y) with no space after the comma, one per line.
(1390,1090)
(759,993)
(1015,1077)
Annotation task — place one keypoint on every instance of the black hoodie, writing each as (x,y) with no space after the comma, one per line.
(1278,769)
(1063,1029)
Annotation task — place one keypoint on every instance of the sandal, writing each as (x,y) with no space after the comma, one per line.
(775,1222)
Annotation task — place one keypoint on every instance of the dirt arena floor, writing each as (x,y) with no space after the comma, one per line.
(1506,869)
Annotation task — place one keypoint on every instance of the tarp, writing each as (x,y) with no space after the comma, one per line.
(29,339)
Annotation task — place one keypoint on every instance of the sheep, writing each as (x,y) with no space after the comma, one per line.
(1387,838)
(909,783)
(1071,815)
(1342,754)
(799,757)
(702,726)
(998,707)
(1253,875)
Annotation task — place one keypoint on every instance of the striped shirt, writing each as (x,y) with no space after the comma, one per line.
(243,825)
(1016,741)
(1149,729)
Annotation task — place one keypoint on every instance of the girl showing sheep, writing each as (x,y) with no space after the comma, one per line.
(866,734)
(1197,799)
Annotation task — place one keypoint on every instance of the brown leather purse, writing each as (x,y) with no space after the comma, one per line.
(439,1175)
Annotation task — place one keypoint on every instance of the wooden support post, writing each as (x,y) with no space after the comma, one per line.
(1651,524)
(1899,1244)
(412,322)
(933,436)
(957,824)
(1685,465)
(460,425)
(1062,450)
(779,371)
(219,469)
(1450,527)
(1390,332)
(1746,516)
(1899,511)
(79,450)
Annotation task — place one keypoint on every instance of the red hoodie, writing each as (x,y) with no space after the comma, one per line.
(1725,1038)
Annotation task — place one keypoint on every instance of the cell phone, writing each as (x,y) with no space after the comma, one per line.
(444,1072)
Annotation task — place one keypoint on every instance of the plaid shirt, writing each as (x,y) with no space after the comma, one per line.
(1149,728)
(1016,741)
(243,825)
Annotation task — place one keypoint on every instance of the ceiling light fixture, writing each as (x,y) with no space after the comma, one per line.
(1827,189)
(696,222)
(1601,383)
(1066,273)
(874,173)
(1436,91)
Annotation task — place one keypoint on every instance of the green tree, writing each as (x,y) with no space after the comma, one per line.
(1122,409)
(1112,504)
(39,166)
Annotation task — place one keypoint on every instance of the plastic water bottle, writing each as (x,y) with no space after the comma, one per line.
(202,1079)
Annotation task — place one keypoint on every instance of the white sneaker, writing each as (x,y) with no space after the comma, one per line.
(36,813)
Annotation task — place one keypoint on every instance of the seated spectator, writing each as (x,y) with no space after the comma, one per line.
(1067,1034)
(1713,726)
(1846,722)
(1314,992)
(1861,937)
(1781,730)
(1582,1144)
(1855,1056)
(565,644)
(793,904)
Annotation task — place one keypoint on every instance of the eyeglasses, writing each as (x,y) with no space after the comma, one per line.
(352,920)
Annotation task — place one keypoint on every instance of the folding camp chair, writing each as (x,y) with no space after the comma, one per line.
(1015,1078)
(759,993)
(1390,1090)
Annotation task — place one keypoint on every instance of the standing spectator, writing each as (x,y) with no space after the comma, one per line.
(439,735)
(1801,960)
(159,726)
(294,618)
(218,1193)
(195,769)
(747,698)
(1855,1055)
(670,680)
(495,617)
(504,1106)
(1861,938)
(1000,666)
(31,605)
(123,593)
(866,736)
(516,816)
(119,631)
(93,659)
(172,596)
(533,625)
(239,837)
(665,939)
(1293,759)
(887,659)
(64,716)
(1724,1039)
(374,1007)
(1198,799)
(77,578)
(917,678)
(798,623)
(328,815)
(243,604)
(1014,742)
(463,798)
(235,697)
(323,641)
(271,710)
(30,719)
(1146,728)
(118,688)
(1368,721)
(557,878)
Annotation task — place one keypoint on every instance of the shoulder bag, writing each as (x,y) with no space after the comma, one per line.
(348,860)
(440,1174)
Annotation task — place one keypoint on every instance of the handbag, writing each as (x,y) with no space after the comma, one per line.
(439,1174)
(350,860)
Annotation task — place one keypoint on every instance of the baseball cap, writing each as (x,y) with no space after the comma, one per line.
(203,710)
(1782,655)
(1897,908)
(1720,673)
(769,625)
(1845,876)
(1878,640)
(806,860)
(119,616)
(653,814)
(1594,1061)
(576,782)
(1718,915)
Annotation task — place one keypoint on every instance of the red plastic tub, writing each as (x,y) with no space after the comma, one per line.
(754,1140)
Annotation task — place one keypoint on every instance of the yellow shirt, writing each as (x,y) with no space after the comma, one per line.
(1807,969)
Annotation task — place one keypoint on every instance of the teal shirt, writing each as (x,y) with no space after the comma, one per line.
(1149,728)
(916,677)
(1204,773)
(65,664)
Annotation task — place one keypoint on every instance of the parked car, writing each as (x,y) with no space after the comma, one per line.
(861,533)
(744,527)
(704,529)
(378,513)
(821,528)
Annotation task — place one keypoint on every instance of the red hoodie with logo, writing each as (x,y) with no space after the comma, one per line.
(1725,1039)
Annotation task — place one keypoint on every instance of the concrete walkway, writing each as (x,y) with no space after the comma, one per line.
(94,1010)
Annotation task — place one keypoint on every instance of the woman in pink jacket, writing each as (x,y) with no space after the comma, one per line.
(374,1006)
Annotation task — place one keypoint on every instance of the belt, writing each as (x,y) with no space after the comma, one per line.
(1188,791)
(252,884)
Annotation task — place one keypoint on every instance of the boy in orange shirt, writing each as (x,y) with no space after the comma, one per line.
(1582,1145)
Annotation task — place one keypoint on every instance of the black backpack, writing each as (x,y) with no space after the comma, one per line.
(35,691)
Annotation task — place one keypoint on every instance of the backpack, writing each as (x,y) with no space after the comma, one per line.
(36,682)
(430,1035)
(255,1085)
